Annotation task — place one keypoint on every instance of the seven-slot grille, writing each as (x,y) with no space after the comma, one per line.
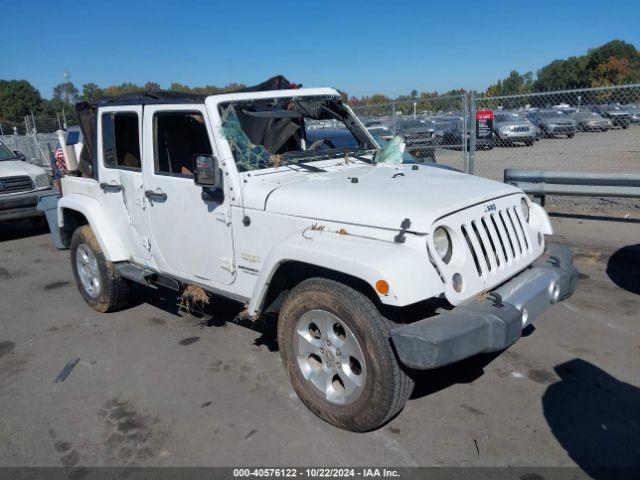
(15,184)
(497,239)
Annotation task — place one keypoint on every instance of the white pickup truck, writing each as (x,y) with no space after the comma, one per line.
(21,185)
(374,268)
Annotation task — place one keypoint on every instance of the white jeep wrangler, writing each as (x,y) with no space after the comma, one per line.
(375,269)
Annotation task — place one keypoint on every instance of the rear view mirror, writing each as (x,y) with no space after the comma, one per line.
(207,171)
(20,155)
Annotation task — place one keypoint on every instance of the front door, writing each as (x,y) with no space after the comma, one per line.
(191,233)
(120,173)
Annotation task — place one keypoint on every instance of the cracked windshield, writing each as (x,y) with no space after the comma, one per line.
(286,131)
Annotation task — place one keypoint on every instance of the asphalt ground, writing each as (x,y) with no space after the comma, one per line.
(151,386)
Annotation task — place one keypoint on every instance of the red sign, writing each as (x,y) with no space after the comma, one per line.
(484,115)
(484,123)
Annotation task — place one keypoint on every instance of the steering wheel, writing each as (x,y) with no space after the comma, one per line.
(321,142)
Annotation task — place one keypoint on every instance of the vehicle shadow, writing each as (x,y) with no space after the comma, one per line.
(596,419)
(623,268)
(217,313)
(15,229)
(428,382)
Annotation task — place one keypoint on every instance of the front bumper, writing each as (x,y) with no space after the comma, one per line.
(491,324)
(21,205)
(518,136)
(561,129)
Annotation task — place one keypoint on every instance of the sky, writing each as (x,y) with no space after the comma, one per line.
(360,47)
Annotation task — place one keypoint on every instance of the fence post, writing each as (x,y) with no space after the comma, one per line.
(465,131)
(472,131)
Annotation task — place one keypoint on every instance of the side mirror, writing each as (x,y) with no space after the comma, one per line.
(20,155)
(207,172)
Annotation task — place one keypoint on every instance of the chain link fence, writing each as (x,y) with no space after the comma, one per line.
(434,128)
(594,129)
(38,148)
(36,137)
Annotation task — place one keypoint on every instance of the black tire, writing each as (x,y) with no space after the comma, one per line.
(113,291)
(528,143)
(387,385)
(625,126)
(570,135)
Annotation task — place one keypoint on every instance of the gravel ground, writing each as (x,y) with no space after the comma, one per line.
(154,387)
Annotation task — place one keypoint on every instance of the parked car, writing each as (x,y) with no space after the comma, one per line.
(591,122)
(329,138)
(634,110)
(616,114)
(553,122)
(21,185)
(510,128)
(421,137)
(354,257)
(451,128)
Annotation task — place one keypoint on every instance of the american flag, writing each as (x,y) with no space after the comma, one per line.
(60,163)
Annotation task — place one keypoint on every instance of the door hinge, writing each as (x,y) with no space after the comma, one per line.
(228,263)
(224,216)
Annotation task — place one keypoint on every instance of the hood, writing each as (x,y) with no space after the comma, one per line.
(14,168)
(382,196)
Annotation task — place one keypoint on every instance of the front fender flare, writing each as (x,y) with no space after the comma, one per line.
(92,210)
(410,275)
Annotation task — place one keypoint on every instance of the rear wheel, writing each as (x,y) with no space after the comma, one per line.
(99,284)
(570,135)
(528,143)
(336,350)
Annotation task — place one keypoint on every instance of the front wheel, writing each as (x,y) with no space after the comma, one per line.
(336,350)
(570,135)
(99,284)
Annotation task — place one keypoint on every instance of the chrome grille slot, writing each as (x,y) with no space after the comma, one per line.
(15,184)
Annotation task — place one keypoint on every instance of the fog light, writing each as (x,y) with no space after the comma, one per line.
(456,282)
(554,292)
(525,316)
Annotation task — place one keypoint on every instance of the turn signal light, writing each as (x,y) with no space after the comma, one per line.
(382,287)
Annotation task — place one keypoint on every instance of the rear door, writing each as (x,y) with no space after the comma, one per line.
(191,232)
(120,174)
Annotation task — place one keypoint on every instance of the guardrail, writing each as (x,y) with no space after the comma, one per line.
(593,184)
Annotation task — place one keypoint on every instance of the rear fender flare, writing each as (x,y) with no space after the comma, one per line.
(92,210)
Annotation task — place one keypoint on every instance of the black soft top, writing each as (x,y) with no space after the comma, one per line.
(87,111)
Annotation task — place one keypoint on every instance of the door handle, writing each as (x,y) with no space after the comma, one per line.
(155,196)
(111,187)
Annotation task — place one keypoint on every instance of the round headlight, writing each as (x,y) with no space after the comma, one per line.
(525,208)
(442,244)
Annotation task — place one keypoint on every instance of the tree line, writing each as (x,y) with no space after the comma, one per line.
(614,63)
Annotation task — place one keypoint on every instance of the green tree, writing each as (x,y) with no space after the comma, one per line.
(17,99)
(66,92)
(91,92)
(151,87)
(514,84)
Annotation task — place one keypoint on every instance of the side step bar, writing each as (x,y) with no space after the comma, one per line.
(145,276)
